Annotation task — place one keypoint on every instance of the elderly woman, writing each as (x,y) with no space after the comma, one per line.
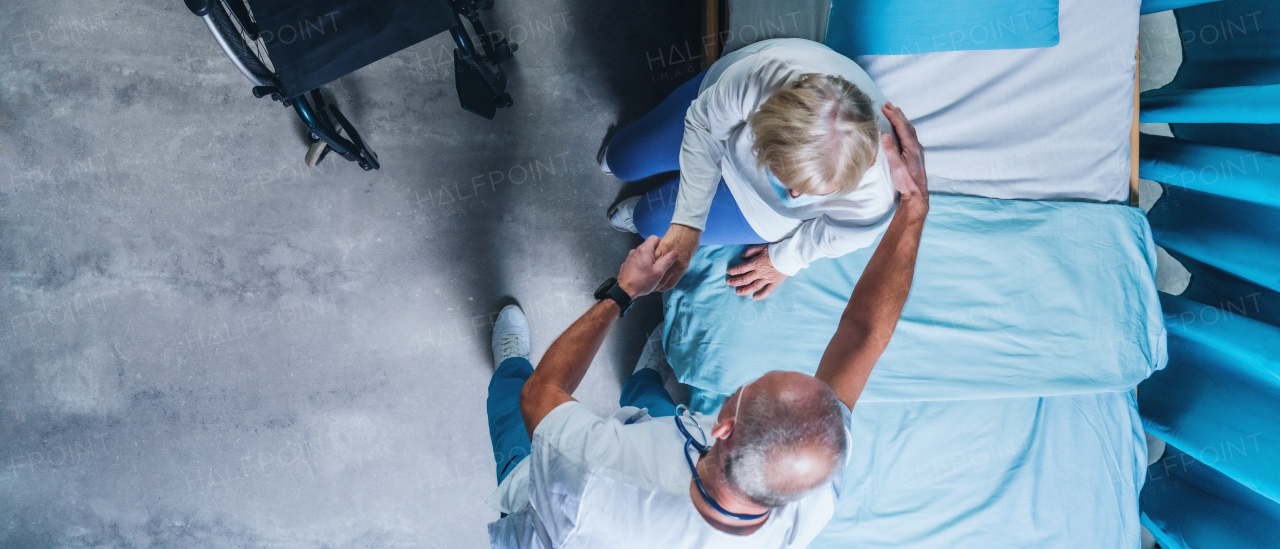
(779,146)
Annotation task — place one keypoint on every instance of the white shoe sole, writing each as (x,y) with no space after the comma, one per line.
(621,225)
(604,161)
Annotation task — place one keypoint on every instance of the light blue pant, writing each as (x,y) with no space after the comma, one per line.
(510,439)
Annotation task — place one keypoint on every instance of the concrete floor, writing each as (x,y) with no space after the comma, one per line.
(203,343)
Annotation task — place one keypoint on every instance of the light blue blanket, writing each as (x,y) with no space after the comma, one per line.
(1010,299)
(1054,472)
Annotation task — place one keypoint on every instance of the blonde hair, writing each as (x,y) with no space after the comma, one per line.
(820,129)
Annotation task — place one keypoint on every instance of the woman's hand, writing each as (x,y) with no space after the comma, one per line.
(756,277)
(683,240)
(642,270)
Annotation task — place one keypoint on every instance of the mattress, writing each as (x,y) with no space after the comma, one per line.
(1042,124)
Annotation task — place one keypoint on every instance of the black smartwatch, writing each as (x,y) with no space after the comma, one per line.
(611,290)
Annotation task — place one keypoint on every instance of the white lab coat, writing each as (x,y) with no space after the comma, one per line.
(593,482)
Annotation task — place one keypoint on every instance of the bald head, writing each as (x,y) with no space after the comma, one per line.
(788,438)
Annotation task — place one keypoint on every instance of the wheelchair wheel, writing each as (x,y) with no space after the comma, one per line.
(316,153)
(319,148)
(233,26)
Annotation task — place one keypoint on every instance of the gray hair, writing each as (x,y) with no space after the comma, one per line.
(817,131)
(772,462)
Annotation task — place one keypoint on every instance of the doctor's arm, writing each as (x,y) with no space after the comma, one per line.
(876,305)
(566,362)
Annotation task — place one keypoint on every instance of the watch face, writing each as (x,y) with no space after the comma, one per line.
(621,296)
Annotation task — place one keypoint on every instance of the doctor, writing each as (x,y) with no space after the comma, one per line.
(765,472)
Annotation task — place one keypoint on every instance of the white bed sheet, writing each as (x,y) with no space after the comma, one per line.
(1042,124)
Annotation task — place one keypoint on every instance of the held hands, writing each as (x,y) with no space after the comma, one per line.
(756,277)
(643,269)
(906,160)
(683,241)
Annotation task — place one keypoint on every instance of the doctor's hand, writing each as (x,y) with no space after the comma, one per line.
(906,158)
(683,241)
(756,277)
(642,270)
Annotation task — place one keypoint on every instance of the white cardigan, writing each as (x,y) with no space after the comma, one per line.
(717,142)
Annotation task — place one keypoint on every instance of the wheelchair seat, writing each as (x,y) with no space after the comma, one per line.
(314,42)
(310,43)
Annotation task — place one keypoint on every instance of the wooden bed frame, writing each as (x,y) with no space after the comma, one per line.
(715,19)
(1133,133)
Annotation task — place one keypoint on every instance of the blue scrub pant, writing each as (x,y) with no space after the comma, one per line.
(651,146)
(510,439)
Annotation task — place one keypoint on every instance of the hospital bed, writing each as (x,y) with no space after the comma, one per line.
(1003,412)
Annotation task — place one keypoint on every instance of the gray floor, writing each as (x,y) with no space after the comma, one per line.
(203,343)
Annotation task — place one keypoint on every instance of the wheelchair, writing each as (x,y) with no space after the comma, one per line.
(314,42)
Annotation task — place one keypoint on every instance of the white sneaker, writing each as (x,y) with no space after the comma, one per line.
(510,335)
(604,161)
(620,215)
(653,356)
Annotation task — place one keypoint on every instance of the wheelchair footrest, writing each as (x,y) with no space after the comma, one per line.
(480,90)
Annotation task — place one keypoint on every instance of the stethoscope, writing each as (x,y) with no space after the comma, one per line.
(691,442)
